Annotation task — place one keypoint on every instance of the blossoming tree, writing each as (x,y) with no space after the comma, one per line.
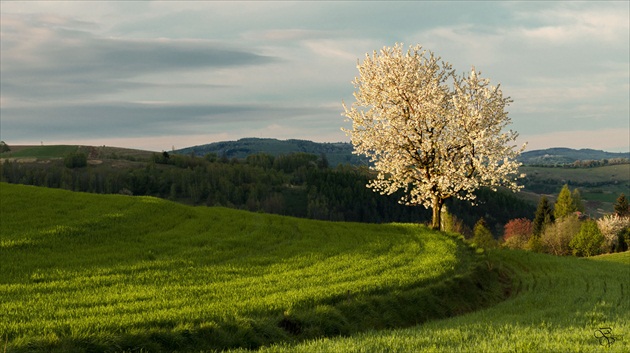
(428,131)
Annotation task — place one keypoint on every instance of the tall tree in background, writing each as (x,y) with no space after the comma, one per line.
(4,147)
(564,204)
(577,200)
(543,217)
(621,206)
(429,132)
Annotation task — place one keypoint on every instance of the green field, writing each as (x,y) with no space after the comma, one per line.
(97,273)
(60,151)
(82,272)
(558,305)
(619,173)
(43,152)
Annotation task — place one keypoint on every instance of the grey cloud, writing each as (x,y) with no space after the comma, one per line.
(127,119)
(65,61)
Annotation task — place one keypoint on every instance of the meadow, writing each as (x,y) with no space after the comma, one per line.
(104,273)
(112,273)
(559,304)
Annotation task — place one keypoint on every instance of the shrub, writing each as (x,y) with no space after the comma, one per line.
(556,237)
(4,147)
(482,236)
(588,241)
(612,228)
(517,233)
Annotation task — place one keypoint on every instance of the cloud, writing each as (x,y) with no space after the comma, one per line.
(123,119)
(565,22)
(156,69)
(43,58)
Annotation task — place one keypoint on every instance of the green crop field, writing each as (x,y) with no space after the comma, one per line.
(558,305)
(82,272)
(113,273)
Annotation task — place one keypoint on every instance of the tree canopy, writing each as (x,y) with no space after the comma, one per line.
(565,205)
(429,132)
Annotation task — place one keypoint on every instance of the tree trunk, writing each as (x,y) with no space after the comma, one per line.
(437,213)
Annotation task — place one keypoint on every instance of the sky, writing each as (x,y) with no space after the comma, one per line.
(159,75)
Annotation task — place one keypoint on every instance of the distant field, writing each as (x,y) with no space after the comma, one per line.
(605,174)
(60,151)
(57,151)
(599,186)
(82,272)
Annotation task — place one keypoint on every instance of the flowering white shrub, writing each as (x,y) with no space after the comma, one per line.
(610,226)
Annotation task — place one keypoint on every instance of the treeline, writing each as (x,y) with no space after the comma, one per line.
(587,163)
(298,184)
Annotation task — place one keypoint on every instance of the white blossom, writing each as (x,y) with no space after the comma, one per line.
(429,132)
(611,226)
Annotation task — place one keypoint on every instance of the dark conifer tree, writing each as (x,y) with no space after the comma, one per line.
(621,206)
(543,216)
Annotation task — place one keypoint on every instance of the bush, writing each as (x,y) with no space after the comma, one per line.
(4,147)
(482,236)
(588,241)
(517,233)
(612,228)
(556,237)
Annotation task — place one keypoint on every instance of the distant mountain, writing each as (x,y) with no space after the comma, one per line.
(336,153)
(341,152)
(560,156)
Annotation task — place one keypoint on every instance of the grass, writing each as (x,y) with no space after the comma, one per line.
(604,174)
(559,305)
(110,273)
(43,152)
(81,272)
(60,151)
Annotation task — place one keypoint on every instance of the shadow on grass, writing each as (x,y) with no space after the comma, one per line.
(480,285)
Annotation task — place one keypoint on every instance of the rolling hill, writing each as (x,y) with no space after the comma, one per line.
(341,152)
(94,273)
(82,272)
(336,153)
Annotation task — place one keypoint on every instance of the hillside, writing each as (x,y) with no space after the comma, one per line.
(600,184)
(341,152)
(82,272)
(60,151)
(94,273)
(336,153)
(559,304)
(562,156)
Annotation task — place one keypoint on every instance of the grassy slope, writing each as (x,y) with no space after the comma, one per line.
(599,186)
(81,272)
(54,151)
(60,151)
(559,305)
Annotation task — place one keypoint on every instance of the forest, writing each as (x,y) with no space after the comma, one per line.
(296,184)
